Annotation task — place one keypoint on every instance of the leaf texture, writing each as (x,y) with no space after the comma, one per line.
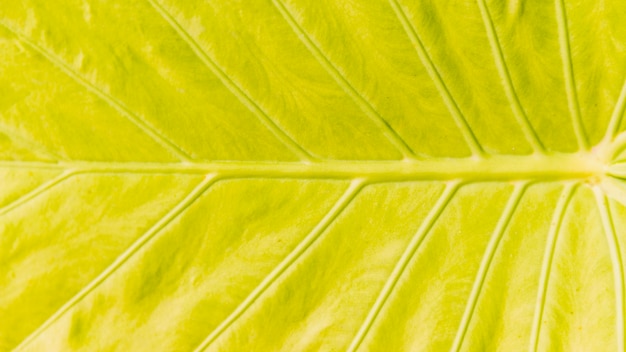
(299,175)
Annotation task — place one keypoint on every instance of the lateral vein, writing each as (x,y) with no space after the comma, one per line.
(617,264)
(568,73)
(452,106)
(546,267)
(123,258)
(116,104)
(233,87)
(615,189)
(616,117)
(350,193)
(392,135)
(403,262)
(507,83)
(485,263)
(43,188)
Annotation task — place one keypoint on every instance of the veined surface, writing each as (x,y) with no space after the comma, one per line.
(306,175)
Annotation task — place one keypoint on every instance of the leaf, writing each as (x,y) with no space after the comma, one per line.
(312,175)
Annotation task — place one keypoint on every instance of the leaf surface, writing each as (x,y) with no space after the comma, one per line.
(300,175)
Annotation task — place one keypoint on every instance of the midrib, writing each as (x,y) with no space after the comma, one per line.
(578,166)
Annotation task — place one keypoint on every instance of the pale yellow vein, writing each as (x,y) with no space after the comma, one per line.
(580,166)
(616,263)
(123,258)
(115,103)
(233,87)
(41,189)
(369,110)
(403,262)
(568,73)
(507,83)
(431,69)
(546,267)
(617,116)
(350,193)
(485,263)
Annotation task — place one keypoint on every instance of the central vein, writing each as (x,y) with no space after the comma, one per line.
(539,167)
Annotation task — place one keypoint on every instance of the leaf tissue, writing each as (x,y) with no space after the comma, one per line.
(312,175)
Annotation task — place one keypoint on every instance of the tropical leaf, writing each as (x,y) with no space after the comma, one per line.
(295,175)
